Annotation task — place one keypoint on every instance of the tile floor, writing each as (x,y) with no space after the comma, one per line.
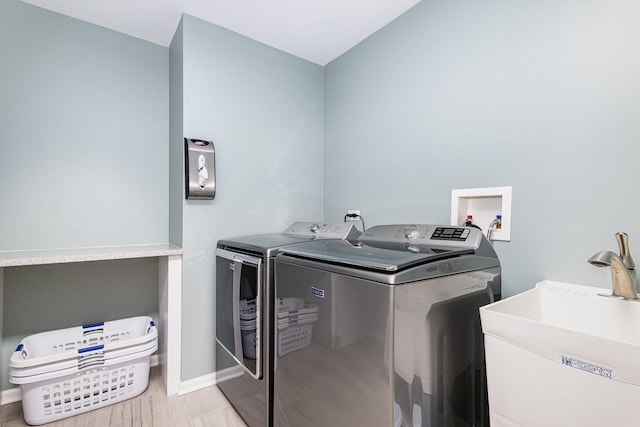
(203,408)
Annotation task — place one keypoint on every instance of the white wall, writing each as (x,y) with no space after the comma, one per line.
(543,96)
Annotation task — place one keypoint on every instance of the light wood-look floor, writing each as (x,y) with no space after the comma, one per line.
(203,408)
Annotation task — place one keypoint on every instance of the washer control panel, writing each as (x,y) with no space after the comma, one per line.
(451,233)
(424,235)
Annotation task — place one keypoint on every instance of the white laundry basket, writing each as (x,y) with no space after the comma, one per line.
(70,371)
(295,319)
(248,325)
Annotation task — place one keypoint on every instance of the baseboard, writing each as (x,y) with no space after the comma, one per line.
(13,395)
(209,380)
(196,384)
(154,360)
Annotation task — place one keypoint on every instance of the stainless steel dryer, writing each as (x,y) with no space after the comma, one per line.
(244,313)
(384,331)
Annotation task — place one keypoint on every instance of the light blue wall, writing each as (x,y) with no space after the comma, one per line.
(83,162)
(83,133)
(263,110)
(543,96)
(176,134)
(88,110)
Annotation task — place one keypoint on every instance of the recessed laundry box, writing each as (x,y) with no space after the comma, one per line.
(70,371)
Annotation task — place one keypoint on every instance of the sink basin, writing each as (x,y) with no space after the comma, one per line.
(563,355)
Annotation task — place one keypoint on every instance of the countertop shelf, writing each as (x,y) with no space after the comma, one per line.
(100,253)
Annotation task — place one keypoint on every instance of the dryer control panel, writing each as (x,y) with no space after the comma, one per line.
(317,230)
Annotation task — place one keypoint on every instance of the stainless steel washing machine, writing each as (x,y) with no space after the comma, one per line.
(384,331)
(244,313)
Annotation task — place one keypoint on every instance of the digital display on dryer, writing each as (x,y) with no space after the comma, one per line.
(450,233)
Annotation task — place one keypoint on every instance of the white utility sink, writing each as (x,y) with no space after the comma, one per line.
(563,355)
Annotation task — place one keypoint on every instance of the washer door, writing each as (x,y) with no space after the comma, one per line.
(239,308)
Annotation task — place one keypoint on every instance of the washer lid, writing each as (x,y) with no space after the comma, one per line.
(372,255)
(296,233)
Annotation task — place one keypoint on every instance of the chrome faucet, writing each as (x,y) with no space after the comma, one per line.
(622,268)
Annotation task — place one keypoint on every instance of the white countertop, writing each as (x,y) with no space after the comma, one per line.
(100,253)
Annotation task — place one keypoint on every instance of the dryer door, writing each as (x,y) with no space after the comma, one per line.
(239,308)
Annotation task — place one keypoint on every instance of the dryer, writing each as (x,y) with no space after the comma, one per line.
(244,313)
(391,335)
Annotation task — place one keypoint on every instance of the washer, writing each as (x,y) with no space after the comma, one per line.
(244,313)
(391,332)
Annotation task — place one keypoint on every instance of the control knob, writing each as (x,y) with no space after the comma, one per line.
(411,232)
(314,228)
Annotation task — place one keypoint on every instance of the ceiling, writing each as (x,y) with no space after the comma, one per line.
(316,30)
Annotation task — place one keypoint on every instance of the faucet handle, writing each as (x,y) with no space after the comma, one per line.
(625,255)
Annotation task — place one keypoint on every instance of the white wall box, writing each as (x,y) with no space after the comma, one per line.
(483,204)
